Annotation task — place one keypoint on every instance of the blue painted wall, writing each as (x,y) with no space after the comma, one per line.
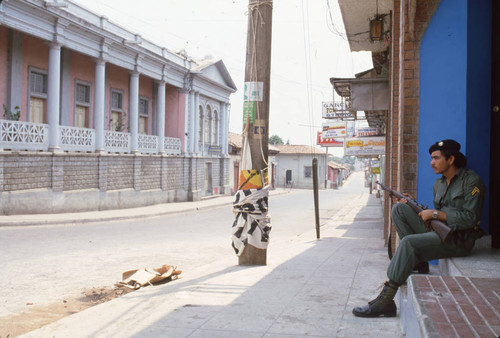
(455,88)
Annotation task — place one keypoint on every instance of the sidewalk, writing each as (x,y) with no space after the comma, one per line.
(308,288)
(122,214)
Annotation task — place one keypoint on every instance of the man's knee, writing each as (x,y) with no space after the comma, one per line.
(399,209)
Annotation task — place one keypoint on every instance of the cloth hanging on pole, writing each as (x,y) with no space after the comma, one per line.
(253,223)
(246,153)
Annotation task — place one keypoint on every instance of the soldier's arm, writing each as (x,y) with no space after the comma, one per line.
(469,214)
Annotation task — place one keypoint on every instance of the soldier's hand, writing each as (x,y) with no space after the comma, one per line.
(426,215)
(404,200)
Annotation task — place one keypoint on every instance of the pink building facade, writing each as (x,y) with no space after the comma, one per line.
(85,93)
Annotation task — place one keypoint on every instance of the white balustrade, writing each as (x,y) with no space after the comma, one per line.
(76,139)
(172,146)
(148,144)
(17,135)
(115,141)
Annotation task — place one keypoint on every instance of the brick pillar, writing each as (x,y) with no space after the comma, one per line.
(410,19)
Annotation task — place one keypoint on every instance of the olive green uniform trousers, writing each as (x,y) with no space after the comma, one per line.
(417,244)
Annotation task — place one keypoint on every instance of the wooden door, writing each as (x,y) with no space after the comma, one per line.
(37,108)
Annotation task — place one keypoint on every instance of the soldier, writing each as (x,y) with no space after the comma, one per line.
(458,201)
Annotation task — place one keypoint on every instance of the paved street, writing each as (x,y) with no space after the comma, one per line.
(308,287)
(63,260)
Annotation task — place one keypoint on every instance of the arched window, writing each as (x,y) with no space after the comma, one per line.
(200,125)
(207,125)
(215,129)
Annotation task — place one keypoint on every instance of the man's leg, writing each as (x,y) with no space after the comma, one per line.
(407,222)
(420,248)
(383,305)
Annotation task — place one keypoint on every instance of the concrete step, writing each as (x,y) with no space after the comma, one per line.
(451,306)
(459,298)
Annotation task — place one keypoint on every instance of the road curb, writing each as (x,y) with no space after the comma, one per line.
(124,214)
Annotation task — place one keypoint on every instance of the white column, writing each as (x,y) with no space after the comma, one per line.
(217,128)
(134,112)
(225,124)
(99,104)
(196,122)
(192,125)
(160,117)
(187,122)
(53,95)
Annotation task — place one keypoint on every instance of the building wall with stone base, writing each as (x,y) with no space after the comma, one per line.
(45,182)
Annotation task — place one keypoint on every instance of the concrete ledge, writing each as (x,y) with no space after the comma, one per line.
(46,201)
(446,306)
(482,262)
(411,312)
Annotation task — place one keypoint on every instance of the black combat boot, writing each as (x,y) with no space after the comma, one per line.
(383,305)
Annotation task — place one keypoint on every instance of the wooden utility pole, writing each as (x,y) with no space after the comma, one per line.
(256,95)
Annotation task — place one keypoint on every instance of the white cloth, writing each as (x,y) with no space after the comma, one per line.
(252,224)
(246,155)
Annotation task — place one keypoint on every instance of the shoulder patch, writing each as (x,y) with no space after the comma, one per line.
(475,191)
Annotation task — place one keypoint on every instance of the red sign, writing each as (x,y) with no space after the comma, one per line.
(329,142)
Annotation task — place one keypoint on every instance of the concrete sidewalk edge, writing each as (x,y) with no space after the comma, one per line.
(156,210)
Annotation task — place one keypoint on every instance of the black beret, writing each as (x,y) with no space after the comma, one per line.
(445,145)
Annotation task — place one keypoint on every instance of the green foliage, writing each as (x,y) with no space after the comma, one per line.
(119,126)
(14,116)
(275,139)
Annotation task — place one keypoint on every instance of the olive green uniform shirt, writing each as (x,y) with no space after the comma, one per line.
(462,200)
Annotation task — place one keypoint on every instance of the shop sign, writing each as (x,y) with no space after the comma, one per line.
(374,145)
(363,132)
(214,150)
(253,91)
(334,129)
(329,142)
(331,110)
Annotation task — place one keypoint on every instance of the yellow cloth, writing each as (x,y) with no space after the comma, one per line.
(251,179)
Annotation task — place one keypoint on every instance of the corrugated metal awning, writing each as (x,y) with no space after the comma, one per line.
(370,95)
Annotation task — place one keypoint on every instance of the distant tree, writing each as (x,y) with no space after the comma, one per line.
(275,139)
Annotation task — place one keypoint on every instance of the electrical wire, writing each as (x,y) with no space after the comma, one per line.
(307,52)
(345,36)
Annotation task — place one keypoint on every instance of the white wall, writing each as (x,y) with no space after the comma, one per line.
(296,163)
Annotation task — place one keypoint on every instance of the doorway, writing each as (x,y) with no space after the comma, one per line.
(495,121)
(288,178)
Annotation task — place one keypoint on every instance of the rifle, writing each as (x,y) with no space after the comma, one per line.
(442,229)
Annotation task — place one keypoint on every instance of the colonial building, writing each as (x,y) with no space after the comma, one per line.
(98,117)
(435,77)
